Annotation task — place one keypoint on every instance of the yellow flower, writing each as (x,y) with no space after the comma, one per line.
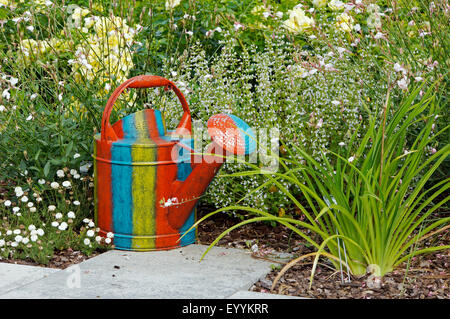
(336,5)
(4,3)
(298,21)
(319,3)
(344,22)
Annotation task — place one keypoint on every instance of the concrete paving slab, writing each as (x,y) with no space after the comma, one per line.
(243,294)
(160,274)
(14,276)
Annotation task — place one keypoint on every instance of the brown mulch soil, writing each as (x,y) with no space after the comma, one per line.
(427,275)
(60,260)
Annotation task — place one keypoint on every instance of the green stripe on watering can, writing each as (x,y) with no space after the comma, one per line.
(121,180)
(143,189)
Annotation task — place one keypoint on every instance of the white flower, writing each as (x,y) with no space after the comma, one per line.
(108,240)
(51,208)
(341,144)
(2,243)
(86,220)
(16,209)
(66,184)
(71,214)
(2,108)
(76,176)
(351,159)
(107,87)
(13,81)
(76,155)
(6,94)
(58,215)
(98,239)
(54,185)
(379,35)
(168,203)
(86,241)
(24,199)
(76,203)
(8,232)
(30,117)
(91,224)
(30,204)
(7,203)
(18,191)
(170,4)
(399,68)
(41,181)
(336,103)
(14,244)
(418,79)
(18,238)
(33,96)
(90,233)
(60,173)
(403,83)
(32,209)
(25,240)
(31,227)
(55,224)
(30,28)
(34,238)
(40,232)
(85,168)
(110,235)
(63,226)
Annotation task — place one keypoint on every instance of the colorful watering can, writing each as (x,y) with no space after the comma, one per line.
(146,182)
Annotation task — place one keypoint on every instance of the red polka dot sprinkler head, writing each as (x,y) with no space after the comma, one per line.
(232,134)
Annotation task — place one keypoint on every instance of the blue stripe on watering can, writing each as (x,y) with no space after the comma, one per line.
(183,170)
(121,179)
(246,133)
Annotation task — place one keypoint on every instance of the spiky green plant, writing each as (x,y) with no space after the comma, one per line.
(370,197)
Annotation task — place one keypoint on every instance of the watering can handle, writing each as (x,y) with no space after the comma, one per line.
(144,81)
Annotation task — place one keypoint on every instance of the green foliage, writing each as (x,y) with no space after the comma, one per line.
(319,84)
(365,195)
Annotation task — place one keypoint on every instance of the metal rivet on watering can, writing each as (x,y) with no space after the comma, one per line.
(136,175)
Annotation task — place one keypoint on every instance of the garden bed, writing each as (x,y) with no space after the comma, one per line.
(60,260)
(426,277)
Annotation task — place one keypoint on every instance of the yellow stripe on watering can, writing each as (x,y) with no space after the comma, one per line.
(143,189)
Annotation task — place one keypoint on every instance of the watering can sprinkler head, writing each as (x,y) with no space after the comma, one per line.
(228,133)
(232,134)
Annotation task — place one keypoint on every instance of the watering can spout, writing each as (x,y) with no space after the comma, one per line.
(230,135)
